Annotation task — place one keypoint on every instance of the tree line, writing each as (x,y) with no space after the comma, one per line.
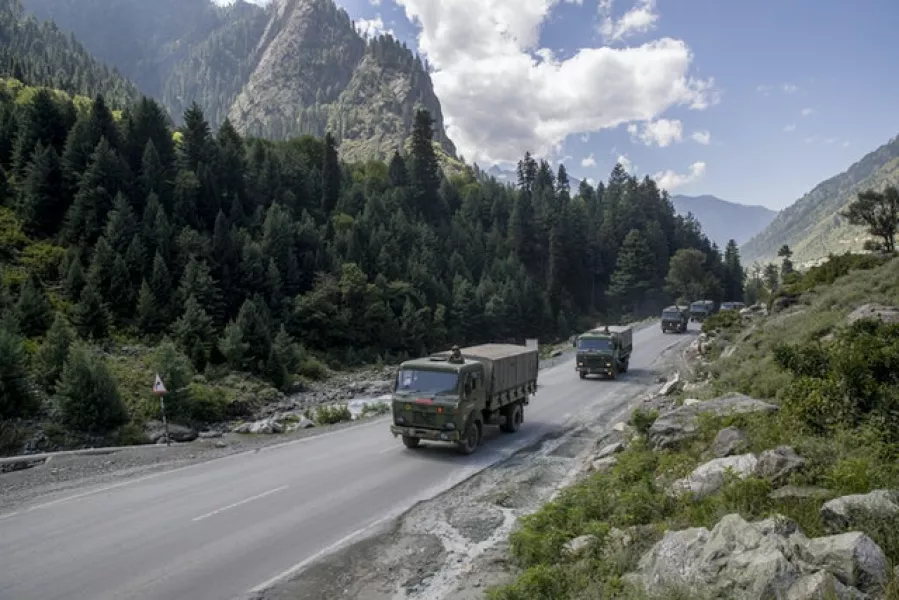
(249,255)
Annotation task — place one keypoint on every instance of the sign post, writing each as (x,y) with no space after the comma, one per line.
(159,390)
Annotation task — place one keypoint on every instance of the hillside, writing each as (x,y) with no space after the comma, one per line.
(722,220)
(812,227)
(295,67)
(38,53)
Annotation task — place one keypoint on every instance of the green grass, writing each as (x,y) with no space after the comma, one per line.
(848,457)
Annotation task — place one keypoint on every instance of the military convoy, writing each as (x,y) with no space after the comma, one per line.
(605,351)
(451,396)
(702,310)
(675,318)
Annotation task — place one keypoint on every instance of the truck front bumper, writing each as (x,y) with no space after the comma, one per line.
(594,369)
(437,435)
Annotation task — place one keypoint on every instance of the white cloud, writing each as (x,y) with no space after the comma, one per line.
(585,137)
(669,180)
(589,161)
(499,100)
(641,18)
(375,2)
(662,132)
(787,88)
(846,144)
(790,128)
(806,111)
(702,137)
(372,27)
(628,165)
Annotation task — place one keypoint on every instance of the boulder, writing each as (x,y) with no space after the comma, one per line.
(683,422)
(709,477)
(265,426)
(609,450)
(729,440)
(579,544)
(776,465)
(155,432)
(846,511)
(881,312)
(603,465)
(765,559)
(801,493)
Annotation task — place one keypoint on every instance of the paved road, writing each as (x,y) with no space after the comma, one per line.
(223,528)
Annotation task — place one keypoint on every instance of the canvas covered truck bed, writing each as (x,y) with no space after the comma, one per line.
(623,332)
(506,366)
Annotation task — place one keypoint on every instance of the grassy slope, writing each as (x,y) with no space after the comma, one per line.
(849,461)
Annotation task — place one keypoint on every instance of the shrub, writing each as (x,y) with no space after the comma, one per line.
(331,414)
(89,398)
(724,320)
(642,420)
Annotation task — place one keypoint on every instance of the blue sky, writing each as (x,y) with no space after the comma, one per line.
(802,88)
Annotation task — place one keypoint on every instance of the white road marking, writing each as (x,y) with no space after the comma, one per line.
(8,515)
(242,502)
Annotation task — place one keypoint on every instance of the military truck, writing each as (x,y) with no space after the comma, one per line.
(733,306)
(675,318)
(701,310)
(604,351)
(443,398)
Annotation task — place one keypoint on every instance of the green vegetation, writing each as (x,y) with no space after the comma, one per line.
(234,267)
(850,446)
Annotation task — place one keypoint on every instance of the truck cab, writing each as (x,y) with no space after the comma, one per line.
(701,310)
(675,318)
(604,351)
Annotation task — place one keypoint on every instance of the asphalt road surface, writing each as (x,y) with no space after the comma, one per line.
(232,526)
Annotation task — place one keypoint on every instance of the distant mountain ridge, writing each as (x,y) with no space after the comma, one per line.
(812,226)
(723,220)
(292,67)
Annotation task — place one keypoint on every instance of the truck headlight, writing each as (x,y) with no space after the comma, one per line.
(400,420)
(449,425)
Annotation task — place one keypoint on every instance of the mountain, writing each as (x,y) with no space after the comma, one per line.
(812,227)
(38,53)
(293,67)
(722,220)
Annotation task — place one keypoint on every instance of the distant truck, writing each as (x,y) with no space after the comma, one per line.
(702,310)
(675,318)
(450,399)
(732,306)
(605,351)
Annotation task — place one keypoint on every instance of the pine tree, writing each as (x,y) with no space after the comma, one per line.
(734,275)
(53,352)
(74,280)
(633,274)
(161,284)
(149,317)
(121,225)
(193,330)
(43,205)
(330,176)
(88,397)
(16,397)
(424,174)
(89,316)
(282,362)
(33,310)
(120,294)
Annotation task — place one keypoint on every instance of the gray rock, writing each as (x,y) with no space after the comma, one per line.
(729,440)
(777,464)
(579,544)
(609,450)
(881,312)
(207,435)
(843,512)
(766,559)
(682,423)
(604,465)
(155,432)
(709,477)
(801,493)
(265,426)
(854,558)
(822,586)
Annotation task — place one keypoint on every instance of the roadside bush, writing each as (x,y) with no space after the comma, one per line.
(841,383)
(376,409)
(642,420)
(311,368)
(335,413)
(724,320)
(828,272)
(88,397)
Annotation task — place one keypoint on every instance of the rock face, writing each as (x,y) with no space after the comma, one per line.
(880,312)
(709,477)
(729,440)
(155,432)
(682,423)
(766,559)
(291,68)
(776,465)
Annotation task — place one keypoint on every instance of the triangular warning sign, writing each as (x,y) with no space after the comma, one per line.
(158,386)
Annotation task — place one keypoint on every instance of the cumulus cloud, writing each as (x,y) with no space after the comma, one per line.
(499,98)
(702,137)
(589,161)
(372,27)
(662,132)
(806,111)
(628,165)
(669,180)
(790,128)
(641,18)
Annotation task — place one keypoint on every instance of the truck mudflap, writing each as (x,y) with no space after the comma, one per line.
(436,435)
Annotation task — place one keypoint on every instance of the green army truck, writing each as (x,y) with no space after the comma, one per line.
(675,318)
(701,310)
(605,351)
(444,398)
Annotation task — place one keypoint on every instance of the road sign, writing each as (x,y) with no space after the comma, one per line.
(158,386)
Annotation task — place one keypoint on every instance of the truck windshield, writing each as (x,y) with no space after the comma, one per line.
(698,308)
(427,382)
(594,344)
(671,316)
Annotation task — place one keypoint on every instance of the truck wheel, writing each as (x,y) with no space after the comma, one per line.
(626,366)
(411,442)
(514,418)
(582,374)
(469,443)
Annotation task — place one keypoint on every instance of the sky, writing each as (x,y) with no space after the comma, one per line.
(753,102)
